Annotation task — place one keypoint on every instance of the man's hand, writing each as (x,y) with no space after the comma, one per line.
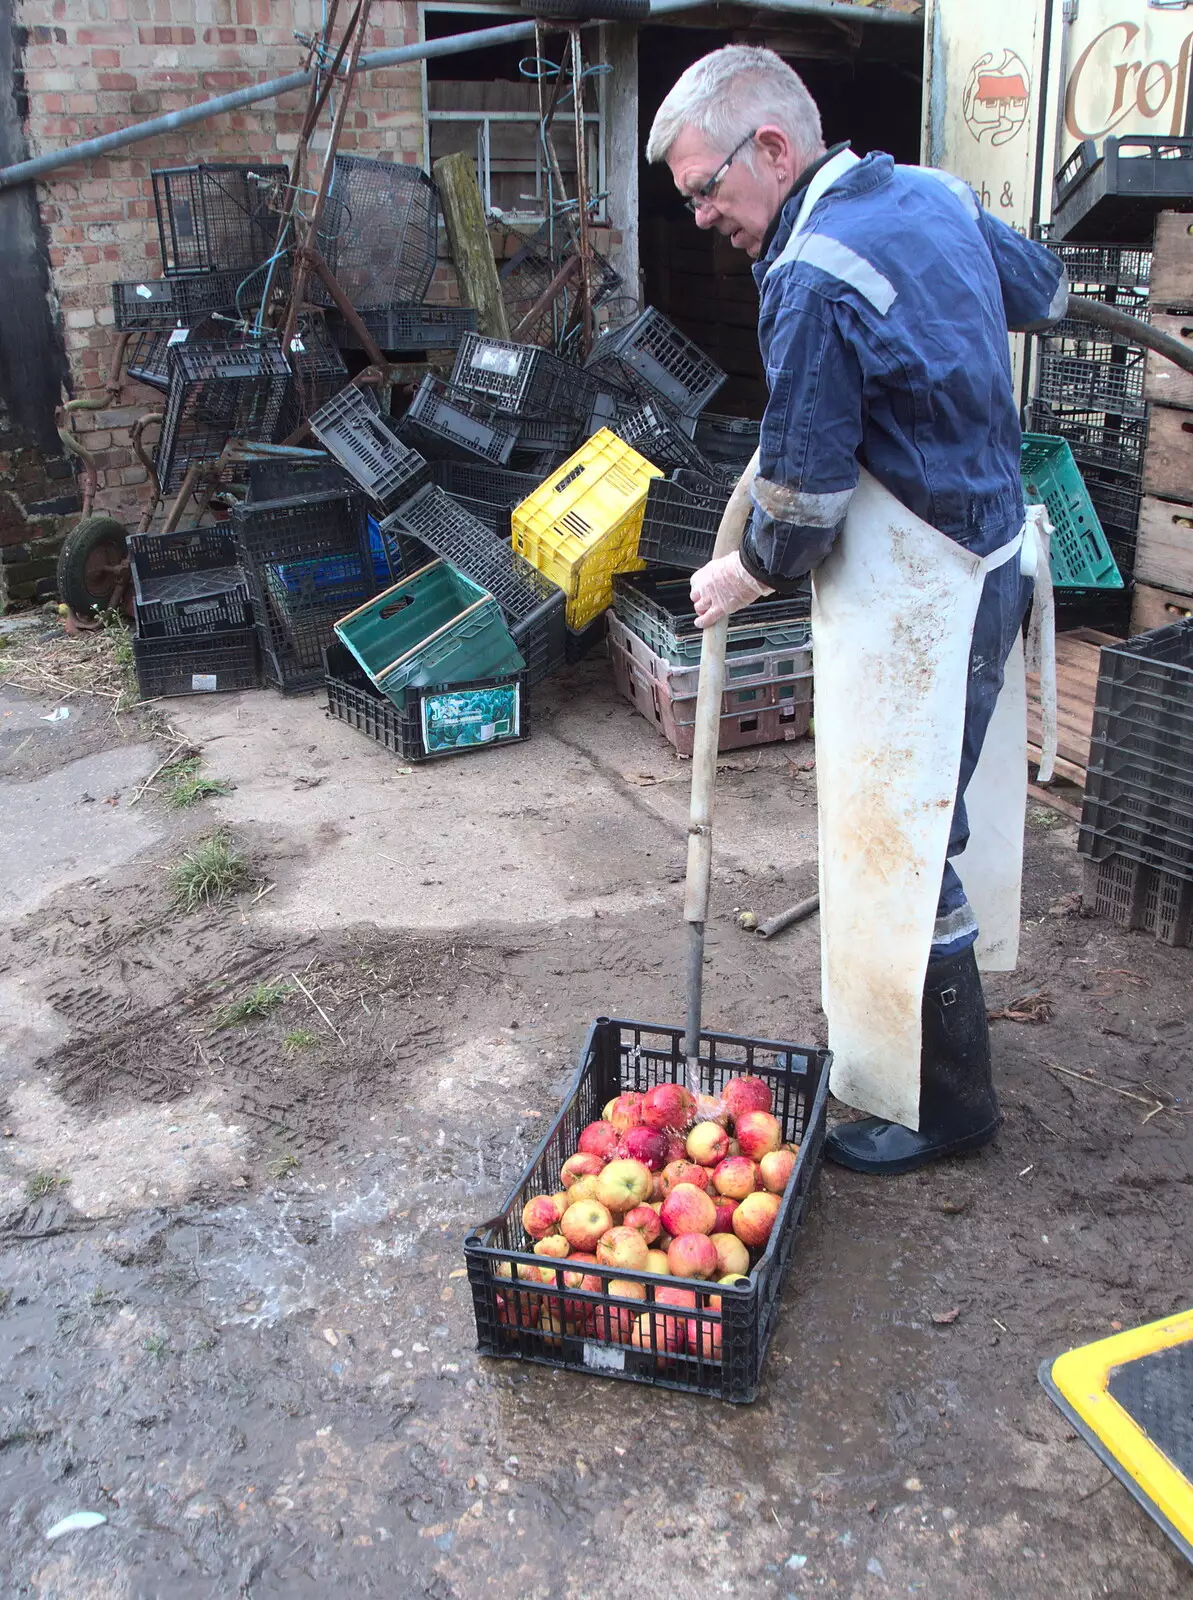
(721,587)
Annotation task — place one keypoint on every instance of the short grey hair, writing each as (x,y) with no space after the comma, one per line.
(730,91)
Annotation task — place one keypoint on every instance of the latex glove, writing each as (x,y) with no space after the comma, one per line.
(721,587)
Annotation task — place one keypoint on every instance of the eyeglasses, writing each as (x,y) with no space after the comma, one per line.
(707,190)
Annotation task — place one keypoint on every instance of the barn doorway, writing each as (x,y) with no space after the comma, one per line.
(868,82)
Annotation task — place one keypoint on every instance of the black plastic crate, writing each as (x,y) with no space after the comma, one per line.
(728,440)
(487,493)
(171,302)
(187,583)
(387,469)
(309,563)
(1111,441)
(406,330)
(1092,382)
(217,216)
(205,663)
(442,421)
(652,350)
(1103,267)
(1142,898)
(522,378)
(1115,196)
(533,607)
(679,525)
(548,433)
(654,432)
(380,232)
(723,1350)
(288,480)
(145,360)
(220,389)
(318,368)
(410,729)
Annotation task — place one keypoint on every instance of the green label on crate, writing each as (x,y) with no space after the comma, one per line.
(466,717)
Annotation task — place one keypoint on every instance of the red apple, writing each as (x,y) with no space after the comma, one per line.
(710,1108)
(677,1148)
(518,1310)
(746,1094)
(621,1319)
(726,1205)
(671,1331)
(683,1172)
(582,1165)
(657,1192)
(582,1189)
(624,1248)
(626,1111)
(687,1209)
(646,1220)
(775,1170)
(599,1139)
(584,1223)
(644,1144)
(541,1216)
(623,1184)
(704,1332)
(553,1245)
(656,1261)
(758,1133)
(693,1255)
(736,1177)
(669,1105)
(732,1256)
(755,1217)
(707,1144)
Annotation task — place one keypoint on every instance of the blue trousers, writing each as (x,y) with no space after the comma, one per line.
(1001,610)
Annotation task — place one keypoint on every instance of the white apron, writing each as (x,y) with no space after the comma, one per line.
(893,608)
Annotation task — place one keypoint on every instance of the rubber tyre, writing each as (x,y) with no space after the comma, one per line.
(89,565)
(590,10)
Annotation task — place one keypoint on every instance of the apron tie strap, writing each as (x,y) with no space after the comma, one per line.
(1041,634)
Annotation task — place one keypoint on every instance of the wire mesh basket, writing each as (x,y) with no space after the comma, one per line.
(170,302)
(380,232)
(217,216)
(220,389)
(527,276)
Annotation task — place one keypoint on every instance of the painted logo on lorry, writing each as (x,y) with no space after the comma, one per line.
(996,97)
(1111,84)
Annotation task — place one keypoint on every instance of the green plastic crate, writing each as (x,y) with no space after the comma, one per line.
(1080,556)
(436,626)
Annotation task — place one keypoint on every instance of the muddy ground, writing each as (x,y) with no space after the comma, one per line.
(233,1318)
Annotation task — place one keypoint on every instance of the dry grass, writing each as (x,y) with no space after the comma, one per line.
(52,663)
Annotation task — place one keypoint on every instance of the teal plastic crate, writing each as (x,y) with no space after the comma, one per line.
(436,626)
(1081,557)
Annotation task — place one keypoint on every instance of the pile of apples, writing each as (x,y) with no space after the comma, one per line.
(666,1182)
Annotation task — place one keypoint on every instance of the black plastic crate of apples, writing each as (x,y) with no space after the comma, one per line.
(693,1334)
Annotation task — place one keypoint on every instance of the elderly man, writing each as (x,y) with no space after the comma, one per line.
(889,470)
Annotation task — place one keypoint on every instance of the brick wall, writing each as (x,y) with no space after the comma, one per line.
(92,66)
(39,502)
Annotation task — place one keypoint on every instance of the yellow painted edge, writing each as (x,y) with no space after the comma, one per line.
(1083,1375)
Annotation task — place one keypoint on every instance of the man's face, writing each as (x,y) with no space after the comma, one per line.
(744,202)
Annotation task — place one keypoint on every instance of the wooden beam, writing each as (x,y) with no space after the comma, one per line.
(471,247)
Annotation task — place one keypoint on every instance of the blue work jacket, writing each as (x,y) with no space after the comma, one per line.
(883,330)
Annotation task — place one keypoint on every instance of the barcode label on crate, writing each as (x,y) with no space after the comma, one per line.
(204,683)
(603,1357)
(506,362)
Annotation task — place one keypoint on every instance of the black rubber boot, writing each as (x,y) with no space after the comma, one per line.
(958,1107)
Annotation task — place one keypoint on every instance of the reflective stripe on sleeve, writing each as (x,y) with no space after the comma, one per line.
(839,261)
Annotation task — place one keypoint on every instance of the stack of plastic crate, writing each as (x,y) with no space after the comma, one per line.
(655,647)
(379,236)
(1089,388)
(1137,815)
(193,632)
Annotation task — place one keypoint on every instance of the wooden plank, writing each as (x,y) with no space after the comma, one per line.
(1164,549)
(1168,459)
(1057,799)
(1152,608)
(1077,657)
(1165,383)
(1172,260)
(471,247)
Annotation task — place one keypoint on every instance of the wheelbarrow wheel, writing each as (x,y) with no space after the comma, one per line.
(93,571)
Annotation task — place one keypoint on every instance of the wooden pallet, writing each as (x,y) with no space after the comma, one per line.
(1078,654)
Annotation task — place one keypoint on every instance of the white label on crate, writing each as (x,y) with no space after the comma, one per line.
(179,336)
(145,292)
(204,683)
(503,361)
(297,345)
(603,1357)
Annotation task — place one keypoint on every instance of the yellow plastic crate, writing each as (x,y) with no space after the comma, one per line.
(580,527)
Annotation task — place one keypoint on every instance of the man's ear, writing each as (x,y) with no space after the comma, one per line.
(776,148)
